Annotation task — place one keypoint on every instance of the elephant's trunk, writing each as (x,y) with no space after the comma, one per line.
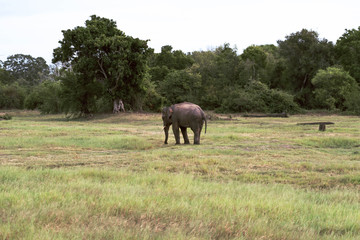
(166,130)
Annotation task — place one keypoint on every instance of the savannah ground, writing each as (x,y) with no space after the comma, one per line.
(111,177)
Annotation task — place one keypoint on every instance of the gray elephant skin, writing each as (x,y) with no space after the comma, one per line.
(184,115)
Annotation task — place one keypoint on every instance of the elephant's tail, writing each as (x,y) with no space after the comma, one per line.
(204,116)
(205,124)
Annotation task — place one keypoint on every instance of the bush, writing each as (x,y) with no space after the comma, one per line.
(257,97)
(104,104)
(12,96)
(352,101)
(45,97)
(280,101)
(240,100)
(153,101)
(332,88)
(179,86)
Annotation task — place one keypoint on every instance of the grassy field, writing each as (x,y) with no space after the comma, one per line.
(111,177)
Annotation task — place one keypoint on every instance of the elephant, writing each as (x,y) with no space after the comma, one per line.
(183,115)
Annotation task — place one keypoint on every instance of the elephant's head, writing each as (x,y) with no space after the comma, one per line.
(166,117)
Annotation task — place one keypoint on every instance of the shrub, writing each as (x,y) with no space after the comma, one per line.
(352,101)
(257,97)
(332,88)
(12,96)
(45,97)
(179,86)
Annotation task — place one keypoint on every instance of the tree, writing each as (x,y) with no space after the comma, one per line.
(219,73)
(78,95)
(5,77)
(45,97)
(167,61)
(348,52)
(101,53)
(205,67)
(304,54)
(31,70)
(180,86)
(12,96)
(332,87)
(255,59)
(227,66)
(173,59)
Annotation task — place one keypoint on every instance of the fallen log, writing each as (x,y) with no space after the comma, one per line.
(282,115)
(322,125)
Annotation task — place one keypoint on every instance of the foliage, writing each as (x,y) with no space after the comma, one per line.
(348,52)
(45,97)
(98,63)
(31,70)
(78,94)
(101,53)
(163,66)
(205,66)
(257,97)
(5,77)
(152,100)
(352,101)
(304,54)
(180,86)
(332,88)
(12,96)
(255,59)
(226,68)
(219,70)
(173,60)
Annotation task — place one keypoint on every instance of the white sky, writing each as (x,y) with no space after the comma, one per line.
(34,26)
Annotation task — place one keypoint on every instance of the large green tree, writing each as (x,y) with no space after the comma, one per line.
(101,53)
(304,53)
(348,52)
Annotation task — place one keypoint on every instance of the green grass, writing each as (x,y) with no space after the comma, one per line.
(332,142)
(111,177)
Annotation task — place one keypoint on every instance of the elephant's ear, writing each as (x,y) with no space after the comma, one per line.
(170,112)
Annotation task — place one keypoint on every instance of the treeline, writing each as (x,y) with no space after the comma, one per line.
(98,64)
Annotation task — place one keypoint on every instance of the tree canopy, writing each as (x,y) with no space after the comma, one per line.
(98,64)
(99,54)
(31,70)
(304,54)
(348,52)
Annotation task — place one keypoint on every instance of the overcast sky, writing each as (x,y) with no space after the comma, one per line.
(34,26)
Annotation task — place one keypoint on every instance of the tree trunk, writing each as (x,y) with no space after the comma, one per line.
(118,106)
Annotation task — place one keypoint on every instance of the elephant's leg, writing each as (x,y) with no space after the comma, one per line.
(166,130)
(176,133)
(185,135)
(196,135)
